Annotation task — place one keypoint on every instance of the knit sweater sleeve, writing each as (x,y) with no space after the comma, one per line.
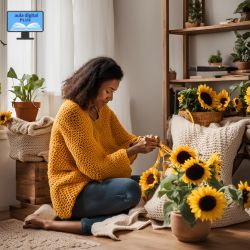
(122,137)
(77,131)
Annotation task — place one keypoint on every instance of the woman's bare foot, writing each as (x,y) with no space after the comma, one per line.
(36,222)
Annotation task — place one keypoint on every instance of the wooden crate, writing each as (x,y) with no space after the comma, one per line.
(32,182)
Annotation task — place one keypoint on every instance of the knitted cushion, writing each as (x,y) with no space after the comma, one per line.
(224,140)
(154,206)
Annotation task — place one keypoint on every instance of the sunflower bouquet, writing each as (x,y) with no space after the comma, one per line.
(202,99)
(5,118)
(195,189)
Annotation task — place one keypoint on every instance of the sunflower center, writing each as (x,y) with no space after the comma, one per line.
(183,156)
(207,203)
(195,172)
(245,195)
(2,117)
(223,100)
(236,101)
(206,98)
(150,179)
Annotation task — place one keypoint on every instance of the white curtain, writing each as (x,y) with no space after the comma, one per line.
(3,56)
(75,31)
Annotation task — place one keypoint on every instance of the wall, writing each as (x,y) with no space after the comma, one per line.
(139,51)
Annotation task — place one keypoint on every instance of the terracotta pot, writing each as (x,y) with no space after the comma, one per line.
(26,110)
(191,25)
(184,232)
(172,75)
(242,65)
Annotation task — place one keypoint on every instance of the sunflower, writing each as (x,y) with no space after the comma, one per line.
(247,96)
(180,98)
(245,193)
(149,179)
(248,109)
(223,100)
(181,154)
(206,203)
(237,103)
(206,97)
(5,117)
(195,171)
(215,162)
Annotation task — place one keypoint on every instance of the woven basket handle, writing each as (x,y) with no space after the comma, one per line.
(190,115)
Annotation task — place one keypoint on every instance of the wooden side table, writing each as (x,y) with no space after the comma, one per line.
(32,188)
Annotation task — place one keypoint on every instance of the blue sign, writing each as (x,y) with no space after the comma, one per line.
(25,21)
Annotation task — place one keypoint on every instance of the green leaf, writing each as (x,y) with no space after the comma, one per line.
(215,183)
(187,214)
(167,182)
(167,209)
(11,73)
(26,77)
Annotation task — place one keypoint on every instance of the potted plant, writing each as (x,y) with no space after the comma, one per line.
(241,55)
(196,194)
(215,60)
(244,9)
(27,89)
(194,14)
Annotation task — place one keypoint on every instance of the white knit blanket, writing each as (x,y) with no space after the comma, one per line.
(29,141)
(39,127)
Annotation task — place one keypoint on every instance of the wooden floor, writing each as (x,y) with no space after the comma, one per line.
(236,237)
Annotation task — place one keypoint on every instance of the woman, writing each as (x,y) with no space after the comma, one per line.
(91,153)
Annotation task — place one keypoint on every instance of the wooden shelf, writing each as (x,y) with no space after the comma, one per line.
(212,28)
(213,79)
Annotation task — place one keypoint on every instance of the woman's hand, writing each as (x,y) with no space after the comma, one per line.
(144,145)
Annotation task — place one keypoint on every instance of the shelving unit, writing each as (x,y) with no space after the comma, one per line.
(186,33)
(226,78)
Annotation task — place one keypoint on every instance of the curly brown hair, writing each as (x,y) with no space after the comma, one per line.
(82,87)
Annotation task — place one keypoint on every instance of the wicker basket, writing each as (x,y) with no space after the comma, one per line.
(202,118)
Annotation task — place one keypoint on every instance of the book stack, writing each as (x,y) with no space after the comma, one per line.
(199,72)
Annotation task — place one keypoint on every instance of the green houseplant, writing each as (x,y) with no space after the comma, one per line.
(27,89)
(215,60)
(241,49)
(244,9)
(194,13)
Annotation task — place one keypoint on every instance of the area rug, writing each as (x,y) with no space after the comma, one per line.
(13,236)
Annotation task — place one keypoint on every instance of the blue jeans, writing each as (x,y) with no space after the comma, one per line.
(101,200)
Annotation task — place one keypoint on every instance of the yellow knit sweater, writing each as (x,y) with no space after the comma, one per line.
(82,150)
